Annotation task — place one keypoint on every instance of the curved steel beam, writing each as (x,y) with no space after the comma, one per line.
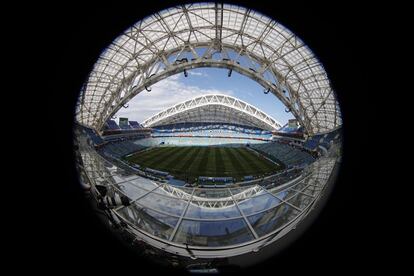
(276,90)
(259,118)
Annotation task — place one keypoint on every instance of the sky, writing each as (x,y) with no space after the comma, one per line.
(202,81)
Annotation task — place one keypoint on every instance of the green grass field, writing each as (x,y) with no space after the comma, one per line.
(191,162)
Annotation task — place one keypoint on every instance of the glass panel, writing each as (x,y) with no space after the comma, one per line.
(271,220)
(131,191)
(300,200)
(124,174)
(312,190)
(300,186)
(149,221)
(285,194)
(196,211)
(213,233)
(256,204)
(169,205)
(143,183)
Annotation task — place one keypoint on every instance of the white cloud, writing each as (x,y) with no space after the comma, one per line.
(194,73)
(164,94)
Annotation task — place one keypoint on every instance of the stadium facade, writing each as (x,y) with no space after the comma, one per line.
(133,169)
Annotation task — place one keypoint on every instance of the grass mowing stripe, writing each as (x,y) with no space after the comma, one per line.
(161,156)
(259,162)
(220,169)
(228,166)
(176,161)
(235,161)
(176,168)
(157,155)
(211,163)
(262,160)
(268,164)
(190,160)
(138,155)
(149,155)
(204,160)
(188,154)
(245,163)
(167,157)
(249,160)
(194,168)
(170,162)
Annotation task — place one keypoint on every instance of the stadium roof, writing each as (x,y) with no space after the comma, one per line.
(214,108)
(210,35)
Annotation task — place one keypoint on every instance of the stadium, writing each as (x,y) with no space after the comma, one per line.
(208,181)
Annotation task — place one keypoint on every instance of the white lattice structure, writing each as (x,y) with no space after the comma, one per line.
(210,35)
(217,202)
(214,108)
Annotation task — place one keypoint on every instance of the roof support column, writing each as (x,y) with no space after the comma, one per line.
(219,24)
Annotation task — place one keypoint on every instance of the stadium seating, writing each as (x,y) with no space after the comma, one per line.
(323,140)
(96,139)
(126,136)
(311,144)
(272,180)
(134,124)
(90,134)
(120,148)
(282,177)
(126,127)
(207,179)
(111,125)
(287,154)
(209,127)
(195,141)
(213,134)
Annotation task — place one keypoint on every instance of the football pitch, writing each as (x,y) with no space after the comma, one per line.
(187,163)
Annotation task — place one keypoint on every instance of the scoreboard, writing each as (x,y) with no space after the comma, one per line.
(123,123)
(293,123)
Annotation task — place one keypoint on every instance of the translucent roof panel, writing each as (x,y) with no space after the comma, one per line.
(140,56)
(271,220)
(213,233)
(152,222)
(196,210)
(169,205)
(258,203)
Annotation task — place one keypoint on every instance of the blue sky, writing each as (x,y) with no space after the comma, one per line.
(202,81)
